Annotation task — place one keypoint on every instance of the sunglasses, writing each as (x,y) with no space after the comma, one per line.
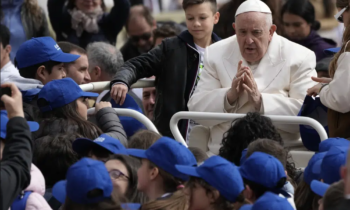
(145,37)
(339,15)
(116,174)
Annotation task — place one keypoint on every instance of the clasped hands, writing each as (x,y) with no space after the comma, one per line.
(244,80)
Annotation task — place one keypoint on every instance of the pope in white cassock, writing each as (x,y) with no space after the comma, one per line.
(255,70)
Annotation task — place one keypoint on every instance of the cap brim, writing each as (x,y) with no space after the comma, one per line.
(130,206)
(332,50)
(319,188)
(187,170)
(33,126)
(137,153)
(65,57)
(89,94)
(246,207)
(3,134)
(81,146)
(59,191)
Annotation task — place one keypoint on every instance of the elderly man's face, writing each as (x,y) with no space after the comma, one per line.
(253,35)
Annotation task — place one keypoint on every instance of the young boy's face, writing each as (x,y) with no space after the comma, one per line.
(57,72)
(200,20)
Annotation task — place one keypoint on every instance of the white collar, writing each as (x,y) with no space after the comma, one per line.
(8,67)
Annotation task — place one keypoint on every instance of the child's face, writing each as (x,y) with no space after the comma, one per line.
(200,20)
(144,175)
(199,199)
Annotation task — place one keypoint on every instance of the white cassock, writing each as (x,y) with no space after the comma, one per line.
(282,76)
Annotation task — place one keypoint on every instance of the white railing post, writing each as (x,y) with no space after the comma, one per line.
(100,86)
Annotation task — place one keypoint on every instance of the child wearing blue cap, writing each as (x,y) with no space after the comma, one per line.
(99,149)
(216,184)
(63,107)
(88,186)
(269,201)
(333,198)
(157,177)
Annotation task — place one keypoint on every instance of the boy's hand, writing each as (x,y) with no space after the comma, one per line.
(13,104)
(101,105)
(118,93)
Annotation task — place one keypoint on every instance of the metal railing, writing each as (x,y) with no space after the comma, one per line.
(225,117)
(134,114)
(99,86)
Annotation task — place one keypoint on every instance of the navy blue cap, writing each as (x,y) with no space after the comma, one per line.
(82,177)
(84,145)
(165,154)
(61,92)
(220,174)
(263,169)
(243,156)
(332,51)
(319,188)
(33,126)
(40,50)
(131,206)
(271,201)
(333,142)
(313,169)
(331,164)
(130,124)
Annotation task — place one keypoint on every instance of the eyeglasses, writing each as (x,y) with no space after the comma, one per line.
(339,15)
(145,37)
(116,174)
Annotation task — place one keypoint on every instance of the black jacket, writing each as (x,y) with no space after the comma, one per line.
(16,161)
(175,65)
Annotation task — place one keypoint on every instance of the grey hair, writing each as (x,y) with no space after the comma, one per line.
(106,56)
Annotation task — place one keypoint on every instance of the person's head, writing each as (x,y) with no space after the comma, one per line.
(216,184)
(244,131)
(143,139)
(100,148)
(5,47)
(254,29)
(78,69)
(149,100)
(298,19)
(86,6)
(199,154)
(157,174)
(87,186)
(123,172)
(42,59)
(322,67)
(33,126)
(104,61)
(201,16)
(162,32)
(140,26)
(327,144)
(262,173)
(53,155)
(333,197)
(271,201)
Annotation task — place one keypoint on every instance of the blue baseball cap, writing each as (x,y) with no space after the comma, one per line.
(246,207)
(82,177)
(332,51)
(331,164)
(243,157)
(61,92)
(313,168)
(333,142)
(83,145)
(40,50)
(165,154)
(131,206)
(220,174)
(319,188)
(33,126)
(272,201)
(263,169)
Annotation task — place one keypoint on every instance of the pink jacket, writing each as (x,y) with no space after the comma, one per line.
(36,201)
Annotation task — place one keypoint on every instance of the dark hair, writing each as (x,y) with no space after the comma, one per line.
(334,196)
(143,139)
(259,189)
(53,155)
(4,36)
(65,120)
(188,3)
(132,165)
(303,9)
(244,131)
(143,11)
(112,203)
(305,198)
(71,5)
(30,71)
(165,31)
(275,149)
(199,154)
(68,47)
(101,153)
